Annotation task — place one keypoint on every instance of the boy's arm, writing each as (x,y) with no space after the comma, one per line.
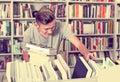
(81,47)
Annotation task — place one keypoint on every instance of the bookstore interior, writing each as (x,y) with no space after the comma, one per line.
(95,23)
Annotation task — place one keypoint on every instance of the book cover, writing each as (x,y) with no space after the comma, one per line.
(82,69)
(50,72)
(38,58)
(65,66)
(8,71)
(94,67)
(109,62)
(48,51)
(61,70)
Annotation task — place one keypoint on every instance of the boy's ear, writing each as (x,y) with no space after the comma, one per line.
(37,26)
(34,13)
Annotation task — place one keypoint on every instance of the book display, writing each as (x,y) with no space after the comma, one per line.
(48,71)
(95,22)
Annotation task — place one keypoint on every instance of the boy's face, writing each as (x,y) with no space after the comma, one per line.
(46,30)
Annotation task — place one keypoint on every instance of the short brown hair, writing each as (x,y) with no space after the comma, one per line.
(45,15)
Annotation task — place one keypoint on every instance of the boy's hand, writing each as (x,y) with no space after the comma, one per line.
(90,56)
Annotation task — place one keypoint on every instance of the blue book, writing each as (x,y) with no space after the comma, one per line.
(81,69)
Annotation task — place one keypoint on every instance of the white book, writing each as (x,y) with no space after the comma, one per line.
(39,74)
(25,70)
(48,51)
(101,63)
(8,70)
(21,70)
(87,29)
(17,71)
(12,73)
(51,72)
(30,73)
(34,74)
(109,62)
(3,28)
(95,68)
(45,72)
(37,52)
(60,69)
(64,64)
(38,59)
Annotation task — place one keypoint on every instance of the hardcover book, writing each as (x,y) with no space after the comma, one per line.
(82,69)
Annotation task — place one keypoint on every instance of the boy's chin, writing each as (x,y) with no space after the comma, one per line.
(46,36)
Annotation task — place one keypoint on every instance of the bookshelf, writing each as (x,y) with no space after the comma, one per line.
(5,33)
(98,31)
(97,39)
(15,18)
(94,24)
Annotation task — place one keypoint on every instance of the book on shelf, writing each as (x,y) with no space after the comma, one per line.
(37,48)
(8,70)
(82,69)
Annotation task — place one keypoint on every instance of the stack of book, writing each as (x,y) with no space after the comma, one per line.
(40,55)
(41,50)
(21,71)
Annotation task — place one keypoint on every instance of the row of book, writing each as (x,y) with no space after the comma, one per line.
(5,46)
(5,10)
(91,11)
(95,43)
(72,57)
(92,27)
(3,61)
(5,28)
(21,26)
(95,0)
(26,10)
(92,68)
(20,71)
(42,68)
(41,0)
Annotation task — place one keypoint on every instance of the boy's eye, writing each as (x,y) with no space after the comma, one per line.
(50,28)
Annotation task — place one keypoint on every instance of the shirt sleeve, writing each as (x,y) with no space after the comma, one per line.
(66,31)
(26,38)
